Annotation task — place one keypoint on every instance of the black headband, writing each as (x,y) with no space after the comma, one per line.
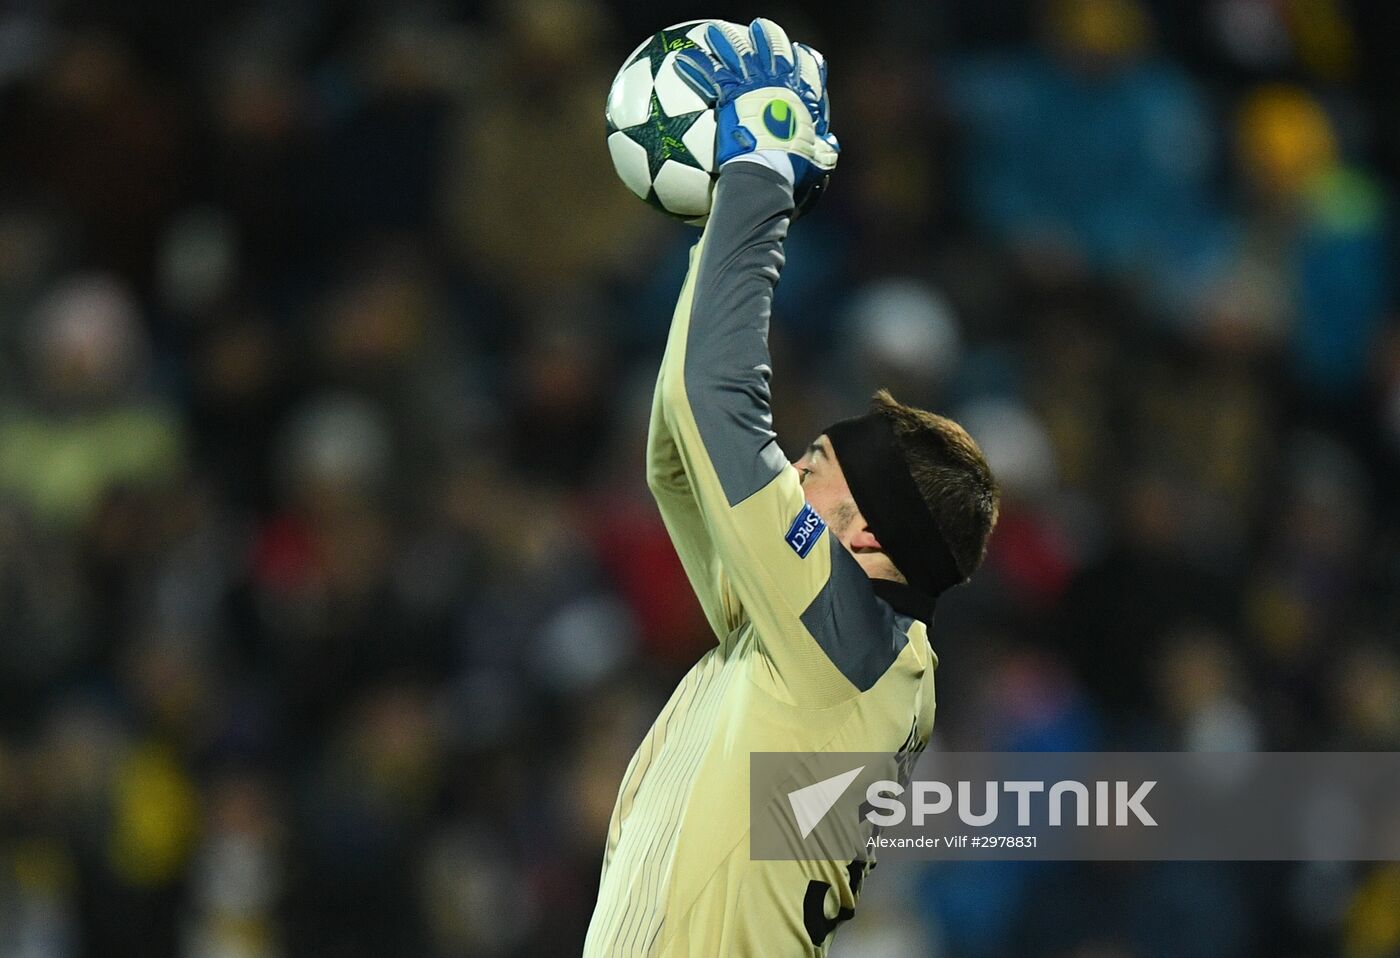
(884,491)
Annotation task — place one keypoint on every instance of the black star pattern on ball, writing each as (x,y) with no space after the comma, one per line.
(663,42)
(660,135)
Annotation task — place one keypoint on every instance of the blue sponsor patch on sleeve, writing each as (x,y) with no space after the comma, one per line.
(805,530)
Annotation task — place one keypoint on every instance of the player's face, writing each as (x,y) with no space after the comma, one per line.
(824,484)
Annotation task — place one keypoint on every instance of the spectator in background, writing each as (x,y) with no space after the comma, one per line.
(1308,263)
(532,196)
(1089,153)
(86,425)
(85,447)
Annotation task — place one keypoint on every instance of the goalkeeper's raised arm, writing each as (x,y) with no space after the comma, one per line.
(819,577)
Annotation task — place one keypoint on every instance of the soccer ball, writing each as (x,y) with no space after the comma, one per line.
(661,134)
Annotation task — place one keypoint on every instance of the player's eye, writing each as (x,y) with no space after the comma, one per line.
(804,473)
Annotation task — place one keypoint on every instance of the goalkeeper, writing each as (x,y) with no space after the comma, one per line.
(818,577)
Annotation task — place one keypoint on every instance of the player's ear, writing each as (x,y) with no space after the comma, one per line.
(864,540)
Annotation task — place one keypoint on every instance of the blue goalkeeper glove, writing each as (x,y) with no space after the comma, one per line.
(771,103)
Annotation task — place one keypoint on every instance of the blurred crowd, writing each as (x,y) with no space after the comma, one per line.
(332,601)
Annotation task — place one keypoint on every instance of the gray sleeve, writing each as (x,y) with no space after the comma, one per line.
(727,366)
(726,374)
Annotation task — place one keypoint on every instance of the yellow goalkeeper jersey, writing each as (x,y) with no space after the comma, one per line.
(811,655)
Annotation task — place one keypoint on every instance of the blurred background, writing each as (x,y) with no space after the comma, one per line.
(332,601)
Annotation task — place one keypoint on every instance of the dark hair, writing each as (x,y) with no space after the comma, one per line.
(951,475)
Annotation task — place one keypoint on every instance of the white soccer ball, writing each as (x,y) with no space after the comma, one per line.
(661,134)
